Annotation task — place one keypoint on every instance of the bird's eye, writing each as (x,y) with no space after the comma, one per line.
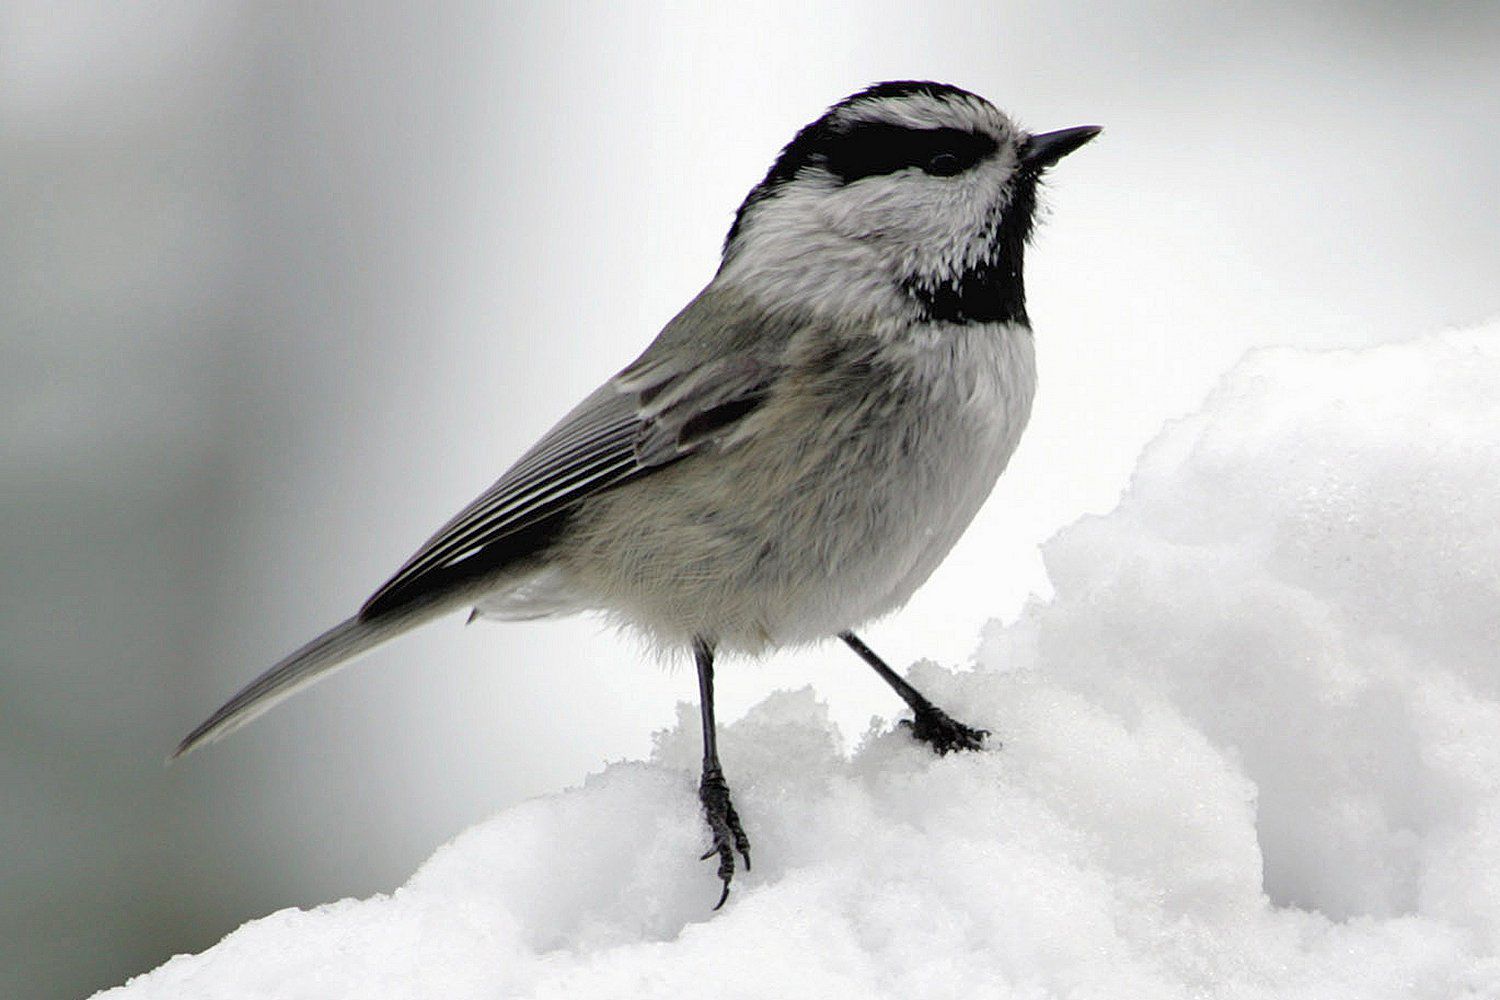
(943,165)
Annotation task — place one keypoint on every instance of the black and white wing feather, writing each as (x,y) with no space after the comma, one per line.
(652,414)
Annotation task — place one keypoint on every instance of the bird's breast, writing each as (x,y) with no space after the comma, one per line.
(970,390)
(833,503)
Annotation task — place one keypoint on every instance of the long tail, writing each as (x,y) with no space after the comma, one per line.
(335,648)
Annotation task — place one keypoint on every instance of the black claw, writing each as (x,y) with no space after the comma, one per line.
(944,734)
(724,822)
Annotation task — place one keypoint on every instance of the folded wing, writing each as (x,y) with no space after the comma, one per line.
(649,416)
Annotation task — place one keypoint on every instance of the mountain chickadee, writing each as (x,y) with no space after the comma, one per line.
(800,446)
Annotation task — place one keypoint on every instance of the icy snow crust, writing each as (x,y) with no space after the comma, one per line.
(1251,749)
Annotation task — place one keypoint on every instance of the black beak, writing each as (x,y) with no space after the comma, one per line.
(1041,151)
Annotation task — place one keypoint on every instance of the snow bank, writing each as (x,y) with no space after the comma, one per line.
(1252,749)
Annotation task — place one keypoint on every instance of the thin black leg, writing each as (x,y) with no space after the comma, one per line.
(929,724)
(713,791)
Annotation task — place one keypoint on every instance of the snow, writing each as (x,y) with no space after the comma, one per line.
(1251,749)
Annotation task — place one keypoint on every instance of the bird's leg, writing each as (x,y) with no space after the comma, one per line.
(713,792)
(930,724)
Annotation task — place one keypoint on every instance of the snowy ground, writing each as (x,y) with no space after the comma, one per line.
(1251,749)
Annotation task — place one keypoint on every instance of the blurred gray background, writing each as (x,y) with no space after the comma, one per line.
(281,287)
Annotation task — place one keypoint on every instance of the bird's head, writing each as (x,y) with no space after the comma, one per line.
(909,200)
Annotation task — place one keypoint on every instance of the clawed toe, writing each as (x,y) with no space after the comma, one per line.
(943,733)
(724,822)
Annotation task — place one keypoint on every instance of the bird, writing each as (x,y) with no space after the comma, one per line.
(796,451)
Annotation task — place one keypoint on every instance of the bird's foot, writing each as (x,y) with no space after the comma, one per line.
(942,732)
(729,836)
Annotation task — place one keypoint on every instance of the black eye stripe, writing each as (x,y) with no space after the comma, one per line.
(868,149)
(851,151)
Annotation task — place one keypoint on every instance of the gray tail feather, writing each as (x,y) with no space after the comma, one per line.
(335,648)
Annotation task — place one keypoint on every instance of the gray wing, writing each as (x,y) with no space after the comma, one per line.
(652,414)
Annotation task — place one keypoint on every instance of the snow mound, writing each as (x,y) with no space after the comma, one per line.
(1251,749)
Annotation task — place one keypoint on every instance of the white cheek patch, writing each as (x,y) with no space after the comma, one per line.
(930,225)
(794,249)
(860,247)
(857,247)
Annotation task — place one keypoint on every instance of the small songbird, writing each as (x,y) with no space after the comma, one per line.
(797,450)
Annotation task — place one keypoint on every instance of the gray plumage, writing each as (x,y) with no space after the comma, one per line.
(820,509)
(799,447)
(684,552)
